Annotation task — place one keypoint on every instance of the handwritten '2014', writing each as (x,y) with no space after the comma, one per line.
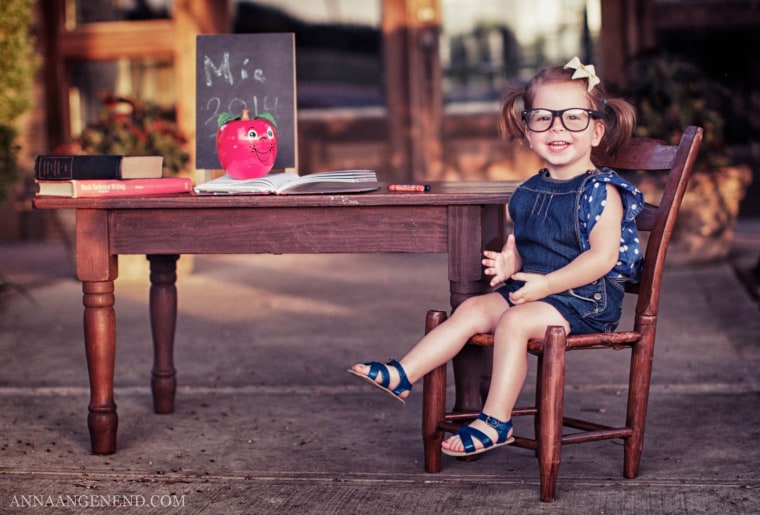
(236,105)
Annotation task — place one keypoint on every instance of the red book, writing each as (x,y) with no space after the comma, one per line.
(115,187)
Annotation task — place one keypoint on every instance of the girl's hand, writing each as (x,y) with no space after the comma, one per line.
(536,287)
(502,265)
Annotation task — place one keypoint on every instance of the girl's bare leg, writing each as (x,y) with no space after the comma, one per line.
(510,363)
(475,315)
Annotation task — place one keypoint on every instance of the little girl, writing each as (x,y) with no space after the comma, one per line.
(573,247)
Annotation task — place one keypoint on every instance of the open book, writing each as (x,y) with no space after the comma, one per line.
(286,183)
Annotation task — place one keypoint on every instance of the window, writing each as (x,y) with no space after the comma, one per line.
(338,47)
(79,12)
(488,44)
(106,56)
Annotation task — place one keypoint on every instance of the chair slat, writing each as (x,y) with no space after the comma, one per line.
(640,154)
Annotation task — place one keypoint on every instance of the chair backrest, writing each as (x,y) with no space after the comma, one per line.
(644,154)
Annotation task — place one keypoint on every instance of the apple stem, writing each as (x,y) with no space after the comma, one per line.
(246,114)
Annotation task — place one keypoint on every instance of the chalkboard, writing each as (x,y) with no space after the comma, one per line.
(237,71)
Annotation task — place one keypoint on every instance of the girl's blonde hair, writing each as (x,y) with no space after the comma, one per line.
(619,116)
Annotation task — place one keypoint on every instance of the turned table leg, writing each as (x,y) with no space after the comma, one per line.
(100,347)
(97,268)
(163,320)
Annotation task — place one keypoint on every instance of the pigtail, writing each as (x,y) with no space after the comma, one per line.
(510,120)
(619,122)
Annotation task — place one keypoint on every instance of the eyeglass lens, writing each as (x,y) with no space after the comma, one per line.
(574,119)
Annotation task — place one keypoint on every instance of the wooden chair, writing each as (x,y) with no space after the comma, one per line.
(658,221)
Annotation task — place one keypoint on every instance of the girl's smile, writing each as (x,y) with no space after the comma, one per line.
(558,146)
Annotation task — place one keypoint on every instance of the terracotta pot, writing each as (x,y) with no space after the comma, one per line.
(704,231)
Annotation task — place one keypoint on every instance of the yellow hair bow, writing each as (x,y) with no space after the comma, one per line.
(582,72)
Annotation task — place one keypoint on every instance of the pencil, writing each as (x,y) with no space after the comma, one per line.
(415,188)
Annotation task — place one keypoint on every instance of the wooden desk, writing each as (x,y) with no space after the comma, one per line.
(460,219)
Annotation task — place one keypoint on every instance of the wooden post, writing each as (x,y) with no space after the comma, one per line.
(190,19)
(411,29)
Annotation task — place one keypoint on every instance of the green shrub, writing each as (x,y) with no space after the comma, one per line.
(18,64)
(669,94)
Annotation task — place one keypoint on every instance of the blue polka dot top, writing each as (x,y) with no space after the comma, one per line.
(592,202)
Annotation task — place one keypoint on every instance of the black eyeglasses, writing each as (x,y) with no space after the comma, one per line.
(575,119)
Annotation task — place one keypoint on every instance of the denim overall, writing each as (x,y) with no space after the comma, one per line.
(547,235)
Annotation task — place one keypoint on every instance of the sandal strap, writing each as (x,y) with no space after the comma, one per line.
(502,428)
(404,384)
(466,434)
(376,368)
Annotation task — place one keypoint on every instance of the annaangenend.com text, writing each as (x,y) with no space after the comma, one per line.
(97,501)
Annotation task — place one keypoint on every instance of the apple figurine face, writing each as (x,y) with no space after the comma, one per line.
(247,148)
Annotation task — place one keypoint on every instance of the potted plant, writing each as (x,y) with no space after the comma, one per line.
(670,94)
(129,126)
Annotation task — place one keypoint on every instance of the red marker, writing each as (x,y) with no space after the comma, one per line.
(415,188)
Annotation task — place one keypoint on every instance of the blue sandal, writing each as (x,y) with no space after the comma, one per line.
(378,368)
(467,433)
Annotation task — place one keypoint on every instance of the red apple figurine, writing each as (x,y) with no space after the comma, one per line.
(246,147)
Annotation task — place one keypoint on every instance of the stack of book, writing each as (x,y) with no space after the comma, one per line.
(104,176)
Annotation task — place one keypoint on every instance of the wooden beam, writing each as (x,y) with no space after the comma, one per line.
(612,44)
(425,86)
(395,63)
(730,14)
(413,88)
(54,73)
(113,40)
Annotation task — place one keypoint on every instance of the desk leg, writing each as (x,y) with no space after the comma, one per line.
(163,321)
(471,374)
(471,230)
(100,346)
(97,268)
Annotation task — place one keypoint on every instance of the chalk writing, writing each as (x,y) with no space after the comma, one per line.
(210,70)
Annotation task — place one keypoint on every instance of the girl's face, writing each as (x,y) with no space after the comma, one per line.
(567,154)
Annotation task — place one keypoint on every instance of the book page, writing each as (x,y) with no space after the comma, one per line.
(341,176)
(287,182)
(226,184)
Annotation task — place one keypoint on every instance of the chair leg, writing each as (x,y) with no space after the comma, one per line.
(638,398)
(551,411)
(433,403)
(537,400)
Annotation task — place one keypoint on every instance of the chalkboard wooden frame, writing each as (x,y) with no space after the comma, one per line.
(237,71)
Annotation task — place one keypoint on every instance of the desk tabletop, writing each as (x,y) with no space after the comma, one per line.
(441,193)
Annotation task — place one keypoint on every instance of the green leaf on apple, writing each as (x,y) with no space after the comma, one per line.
(266,115)
(225,118)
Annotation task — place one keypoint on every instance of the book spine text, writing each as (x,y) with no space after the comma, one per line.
(134,187)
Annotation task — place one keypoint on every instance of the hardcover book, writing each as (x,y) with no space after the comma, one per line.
(287,183)
(99,166)
(114,188)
